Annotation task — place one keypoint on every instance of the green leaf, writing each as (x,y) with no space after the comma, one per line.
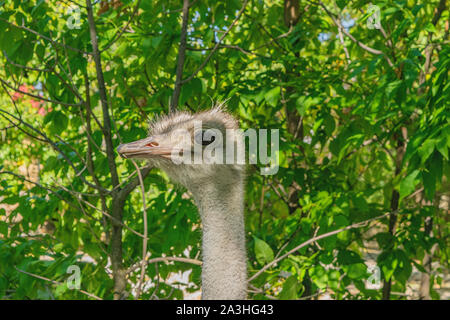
(341,221)
(263,252)
(426,149)
(356,271)
(333,279)
(11,41)
(404,268)
(59,122)
(388,263)
(392,87)
(348,257)
(272,96)
(281,208)
(58,247)
(429,183)
(60,289)
(319,276)
(3,228)
(303,103)
(341,3)
(329,123)
(416,9)
(290,289)
(430,28)
(384,239)
(408,184)
(191,89)
(441,146)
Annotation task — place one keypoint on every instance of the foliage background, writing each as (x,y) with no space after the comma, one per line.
(363,115)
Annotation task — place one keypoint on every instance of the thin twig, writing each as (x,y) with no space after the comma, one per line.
(74,2)
(53,145)
(275,39)
(181,58)
(234,47)
(39,97)
(56,282)
(165,259)
(314,239)
(13,101)
(46,38)
(122,31)
(24,67)
(144,240)
(158,280)
(103,96)
(217,45)
(348,34)
(40,186)
(88,216)
(104,213)
(181,9)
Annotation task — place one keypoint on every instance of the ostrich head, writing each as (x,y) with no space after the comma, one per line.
(191,148)
(217,183)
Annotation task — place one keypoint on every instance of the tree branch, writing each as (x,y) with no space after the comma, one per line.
(165,259)
(53,145)
(103,95)
(45,37)
(348,34)
(56,282)
(39,97)
(116,204)
(122,31)
(181,58)
(217,45)
(40,186)
(125,191)
(314,239)
(145,239)
(119,222)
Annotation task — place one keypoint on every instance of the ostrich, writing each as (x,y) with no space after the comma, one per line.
(217,190)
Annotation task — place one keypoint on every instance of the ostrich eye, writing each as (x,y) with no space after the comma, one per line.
(201,138)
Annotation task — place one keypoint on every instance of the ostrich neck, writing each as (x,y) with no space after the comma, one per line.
(224,272)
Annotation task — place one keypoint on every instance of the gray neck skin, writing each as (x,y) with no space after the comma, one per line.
(224,272)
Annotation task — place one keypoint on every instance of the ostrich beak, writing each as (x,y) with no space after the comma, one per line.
(144,148)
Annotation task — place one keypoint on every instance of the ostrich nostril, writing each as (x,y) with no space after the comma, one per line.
(152,144)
